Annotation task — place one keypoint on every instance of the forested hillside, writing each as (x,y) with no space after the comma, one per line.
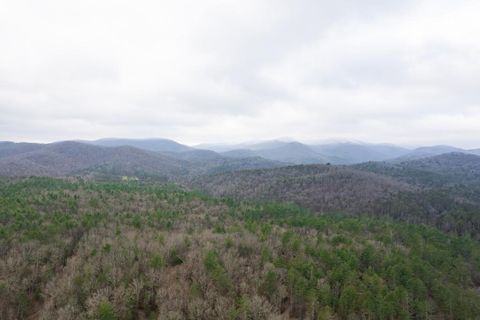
(445,170)
(72,249)
(319,187)
(443,191)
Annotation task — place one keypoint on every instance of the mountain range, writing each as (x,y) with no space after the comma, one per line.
(424,185)
(292,152)
(77,158)
(164,158)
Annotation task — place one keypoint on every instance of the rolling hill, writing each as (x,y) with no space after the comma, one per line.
(443,191)
(319,187)
(426,152)
(70,158)
(75,158)
(441,170)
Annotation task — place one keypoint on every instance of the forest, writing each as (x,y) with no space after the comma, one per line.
(77,249)
(240,160)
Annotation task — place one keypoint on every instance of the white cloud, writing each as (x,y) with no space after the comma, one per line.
(219,70)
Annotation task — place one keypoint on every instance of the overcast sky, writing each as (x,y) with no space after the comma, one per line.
(404,72)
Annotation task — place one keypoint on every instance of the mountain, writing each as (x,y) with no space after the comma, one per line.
(349,153)
(154,144)
(239,153)
(474,151)
(258,145)
(210,162)
(291,152)
(75,158)
(269,144)
(8,148)
(69,158)
(200,161)
(300,153)
(287,152)
(195,155)
(425,152)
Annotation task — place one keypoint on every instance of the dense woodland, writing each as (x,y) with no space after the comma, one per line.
(76,249)
(442,191)
(321,188)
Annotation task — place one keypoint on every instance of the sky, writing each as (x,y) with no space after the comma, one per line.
(404,72)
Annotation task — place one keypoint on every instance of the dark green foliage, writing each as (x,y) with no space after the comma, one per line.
(137,249)
(106,312)
(398,276)
(157,262)
(215,269)
(269,284)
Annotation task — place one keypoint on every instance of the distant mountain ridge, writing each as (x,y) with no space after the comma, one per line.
(69,158)
(77,158)
(334,153)
(8,148)
(292,152)
(430,151)
(151,144)
(288,151)
(265,154)
(357,152)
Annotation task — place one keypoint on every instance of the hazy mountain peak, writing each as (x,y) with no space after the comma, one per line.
(151,144)
(429,151)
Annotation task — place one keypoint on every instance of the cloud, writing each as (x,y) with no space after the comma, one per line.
(217,70)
